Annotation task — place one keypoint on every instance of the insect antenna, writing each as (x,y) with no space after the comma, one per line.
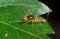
(48,16)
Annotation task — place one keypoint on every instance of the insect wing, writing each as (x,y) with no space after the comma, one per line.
(43,20)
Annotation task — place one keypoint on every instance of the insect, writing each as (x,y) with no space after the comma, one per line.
(33,19)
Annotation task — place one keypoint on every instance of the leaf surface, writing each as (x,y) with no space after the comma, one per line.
(11,20)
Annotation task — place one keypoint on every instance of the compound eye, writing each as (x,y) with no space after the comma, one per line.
(31,18)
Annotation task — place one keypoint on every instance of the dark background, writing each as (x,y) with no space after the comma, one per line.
(54,16)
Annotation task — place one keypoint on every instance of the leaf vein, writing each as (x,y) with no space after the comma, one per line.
(20,29)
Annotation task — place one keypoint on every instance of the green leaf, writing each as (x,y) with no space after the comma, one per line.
(11,20)
(14,32)
(39,28)
(35,7)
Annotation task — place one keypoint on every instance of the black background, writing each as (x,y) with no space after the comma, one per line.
(54,17)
